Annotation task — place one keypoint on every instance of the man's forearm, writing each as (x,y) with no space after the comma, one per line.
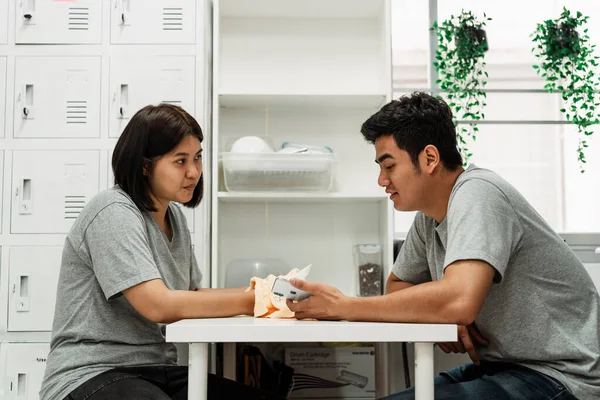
(431,302)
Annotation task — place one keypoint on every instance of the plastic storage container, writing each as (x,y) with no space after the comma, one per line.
(367,258)
(240,271)
(277,171)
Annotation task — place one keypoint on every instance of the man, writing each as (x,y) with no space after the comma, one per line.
(477,255)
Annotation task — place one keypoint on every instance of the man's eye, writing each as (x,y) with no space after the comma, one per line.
(388,167)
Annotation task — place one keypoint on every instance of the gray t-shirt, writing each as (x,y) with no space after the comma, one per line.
(111,247)
(543,309)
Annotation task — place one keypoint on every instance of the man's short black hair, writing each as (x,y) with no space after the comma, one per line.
(152,132)
(415,121)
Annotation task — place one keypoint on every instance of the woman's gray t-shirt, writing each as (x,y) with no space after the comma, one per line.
(543,310)
(111,247)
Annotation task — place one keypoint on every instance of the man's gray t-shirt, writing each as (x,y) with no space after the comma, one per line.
(543,310)
(111,247)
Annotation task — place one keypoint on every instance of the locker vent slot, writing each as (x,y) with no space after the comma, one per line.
(73,206)
(79,18)
(76,111)
(172,19)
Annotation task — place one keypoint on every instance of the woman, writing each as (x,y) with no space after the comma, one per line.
(128,268)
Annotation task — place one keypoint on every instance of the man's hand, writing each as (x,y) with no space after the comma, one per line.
(466,334)
(326,301)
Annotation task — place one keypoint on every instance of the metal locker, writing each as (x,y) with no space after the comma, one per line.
(1,187)
(152,22)
(188,212)
(138,81)
(2,92)
(50,188)
(57,97)
(58,22)
(25,367)
(33,277)
(3,22)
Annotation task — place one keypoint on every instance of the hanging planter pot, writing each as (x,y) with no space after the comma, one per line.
(460,63)
(567,62)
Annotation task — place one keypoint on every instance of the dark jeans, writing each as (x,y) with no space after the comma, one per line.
(493,381)
(159,383)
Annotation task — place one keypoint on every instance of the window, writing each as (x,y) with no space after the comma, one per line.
(524,137)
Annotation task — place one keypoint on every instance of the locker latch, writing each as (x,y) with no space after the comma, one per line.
(27,16)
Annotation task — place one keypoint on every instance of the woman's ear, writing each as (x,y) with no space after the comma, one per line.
(145,167)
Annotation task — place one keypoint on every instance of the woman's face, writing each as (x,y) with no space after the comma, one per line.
(174,176)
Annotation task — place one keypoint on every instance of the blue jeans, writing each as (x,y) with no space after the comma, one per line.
(493,381)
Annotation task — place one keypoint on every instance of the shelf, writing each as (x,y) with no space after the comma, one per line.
(301,9)
(338,101)
(299,197)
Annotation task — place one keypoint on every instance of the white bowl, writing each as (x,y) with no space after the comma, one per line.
(251,144)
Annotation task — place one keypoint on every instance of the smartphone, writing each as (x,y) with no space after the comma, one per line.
(282,287)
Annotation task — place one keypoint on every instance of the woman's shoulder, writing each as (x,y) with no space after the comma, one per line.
(112,202)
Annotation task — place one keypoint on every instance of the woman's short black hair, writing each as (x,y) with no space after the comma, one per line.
(152,132)
(416,121)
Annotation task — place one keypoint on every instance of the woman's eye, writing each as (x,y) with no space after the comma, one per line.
(180,161)
(198,157)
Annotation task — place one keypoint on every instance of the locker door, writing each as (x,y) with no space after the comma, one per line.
(188,212)
(25,367)
(1,186)
(2,90)
(3,21)
(49,199)
(152,22)
(33,272)
(58,22)
(138,81)
(57,97)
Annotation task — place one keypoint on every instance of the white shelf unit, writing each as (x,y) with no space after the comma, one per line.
(310,72)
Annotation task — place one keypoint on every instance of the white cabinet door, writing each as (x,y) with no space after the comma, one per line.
(155,22)
(2,91)
(25,367)
(3,21)
(50,188)
(1,186)
(138,81)
(58,22)
(33,272)
(57,97)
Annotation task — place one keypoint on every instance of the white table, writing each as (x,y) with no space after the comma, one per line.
(200,332)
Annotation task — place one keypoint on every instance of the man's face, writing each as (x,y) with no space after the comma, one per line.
(404,182)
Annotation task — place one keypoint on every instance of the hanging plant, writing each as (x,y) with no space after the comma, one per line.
(566,60)
(460,64)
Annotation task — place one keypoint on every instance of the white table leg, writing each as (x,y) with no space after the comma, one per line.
(424,371)
(198,371)
(229,361)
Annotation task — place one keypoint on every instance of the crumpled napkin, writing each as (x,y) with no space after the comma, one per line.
(267,304)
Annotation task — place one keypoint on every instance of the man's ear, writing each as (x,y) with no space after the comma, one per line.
(431,158)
